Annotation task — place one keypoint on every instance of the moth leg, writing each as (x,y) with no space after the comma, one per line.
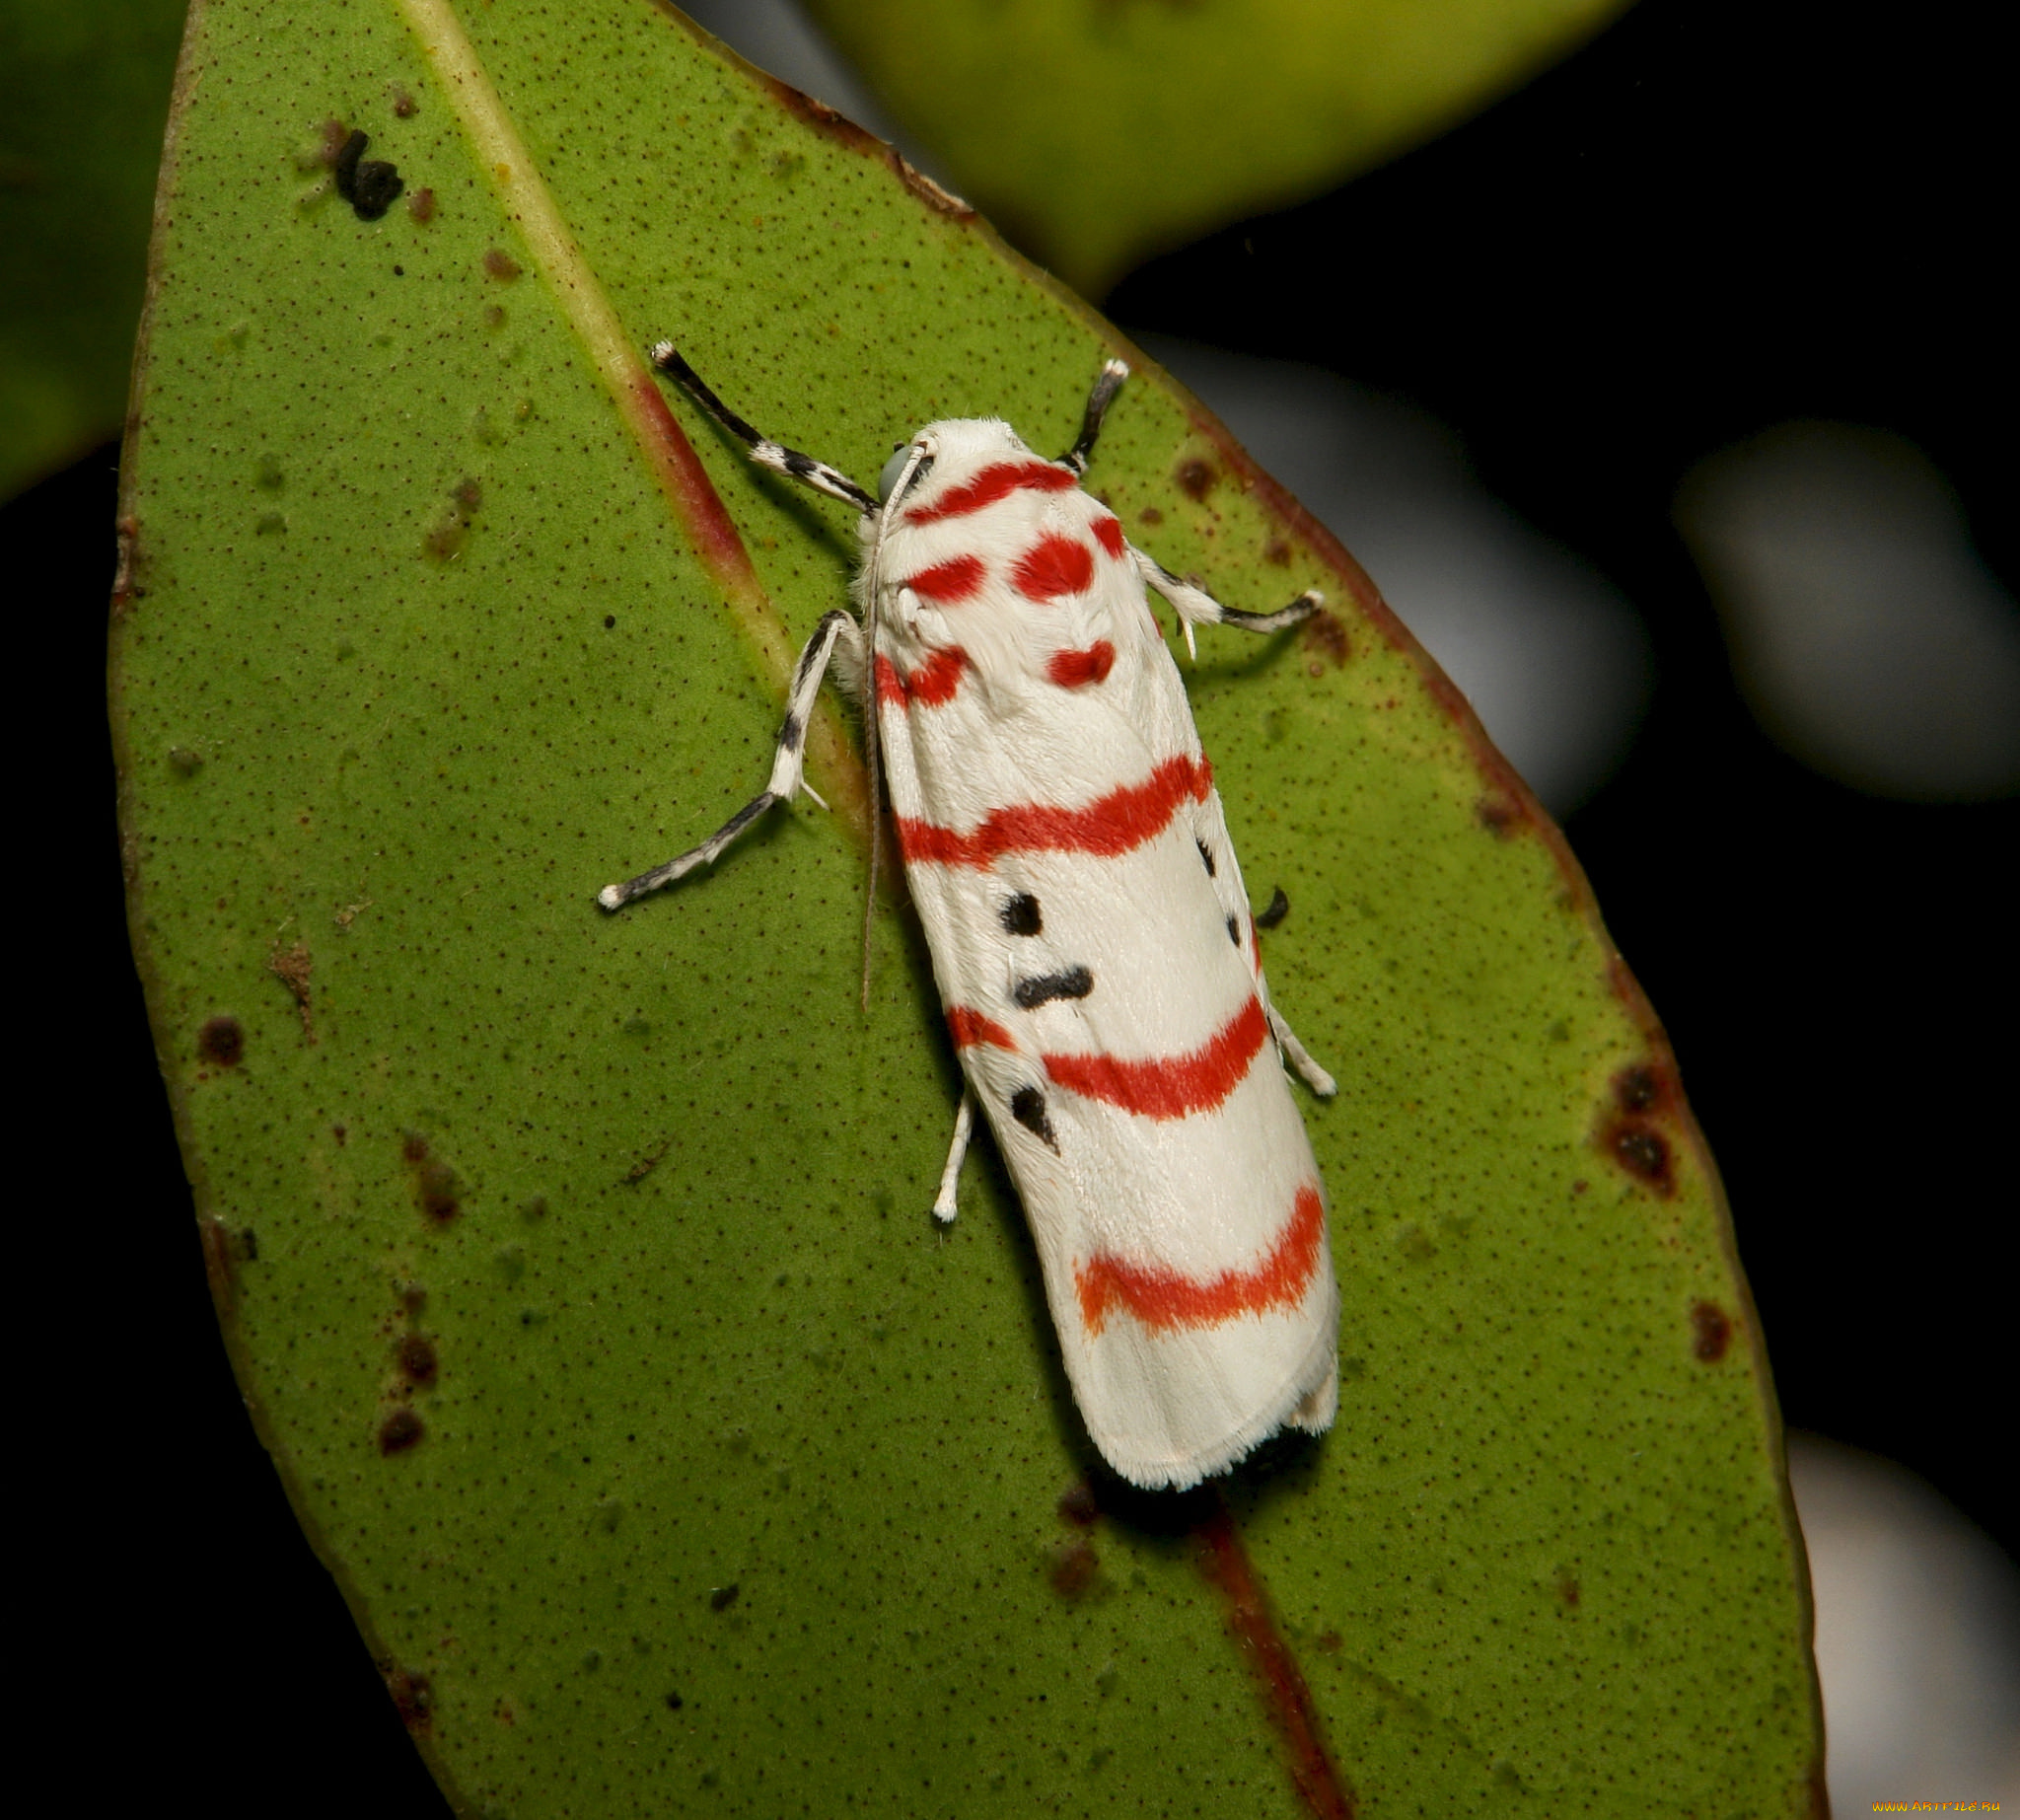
(957,1152)
(788,765)
(1196,607)
(1316,1077)
(763,449)
(1107,384)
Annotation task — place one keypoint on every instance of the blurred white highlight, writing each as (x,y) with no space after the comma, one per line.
(1869,638)
(1917,1635)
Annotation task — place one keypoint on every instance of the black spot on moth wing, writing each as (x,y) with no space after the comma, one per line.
(789,733)
(1206,856)
(1020,915)
(1275,912)
(1028,1108)
(1234,931)
(1075,983)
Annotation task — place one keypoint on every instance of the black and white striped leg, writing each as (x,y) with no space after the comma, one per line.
(1106,385)
(788,766)
(763,451)
(963,1125)
(1299,1057)
(1196,607)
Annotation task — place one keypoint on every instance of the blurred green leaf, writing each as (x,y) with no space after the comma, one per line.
(84,91)
(1100,131)
(577,1269)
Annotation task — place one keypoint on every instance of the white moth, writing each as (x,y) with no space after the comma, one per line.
(1093,944)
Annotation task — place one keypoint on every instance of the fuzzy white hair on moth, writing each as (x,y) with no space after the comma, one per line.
(1094,947)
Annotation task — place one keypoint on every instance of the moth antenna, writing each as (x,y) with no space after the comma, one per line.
(873,783)
(1106,385)
(872,749)
(761,449)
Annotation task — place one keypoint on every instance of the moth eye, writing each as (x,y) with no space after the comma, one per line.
(893,471)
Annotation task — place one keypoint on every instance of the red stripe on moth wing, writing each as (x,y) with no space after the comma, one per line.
(934,682)
(956,579)
(1162,1299)
(890,685)
(1108,532)
(996,481)
(1115,824)
(1076,669)
(969,1028)
(1053,566)
(1170,1086)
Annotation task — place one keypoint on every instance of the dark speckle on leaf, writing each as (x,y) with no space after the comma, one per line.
(399,1432)
(222,1040)
(370,186)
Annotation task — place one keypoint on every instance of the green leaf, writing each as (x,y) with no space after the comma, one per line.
(577,1269)
(83,88)
(1100,131)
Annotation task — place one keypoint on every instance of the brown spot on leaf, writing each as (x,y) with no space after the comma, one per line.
(1642,1088)
(1711,1332)
(411,1697)
(404,106)
(1325,636)
(502,265)
(421,205)
(444,540)
(1643,1152)
(1150,515)
(675,1703)
(721,1598)
(291,967)
(220,1263)
(417,1363)
(1195,477)
(435,1186)
(222,1040)
(1331,1642)
(1075,1570)
(1277,552)
(399,1432)
(1568,1589)
(1077,1505)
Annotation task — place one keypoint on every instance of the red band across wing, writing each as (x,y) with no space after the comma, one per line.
(958,579)
(1077,669)
(1162,1299)
(968,1028)
(932,685)
(996,481)
(1170,1086)
(1112,824)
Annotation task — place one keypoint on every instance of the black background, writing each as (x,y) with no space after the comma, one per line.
(1716,217)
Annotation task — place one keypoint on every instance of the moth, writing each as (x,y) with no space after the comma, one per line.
(1093,943)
